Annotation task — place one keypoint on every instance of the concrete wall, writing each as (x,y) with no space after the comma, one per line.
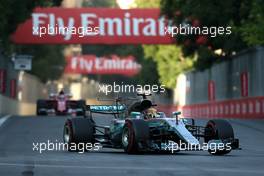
(28,89)
(12,106)
(227,79)
(31,88)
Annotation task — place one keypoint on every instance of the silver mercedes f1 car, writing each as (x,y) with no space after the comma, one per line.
(136,130)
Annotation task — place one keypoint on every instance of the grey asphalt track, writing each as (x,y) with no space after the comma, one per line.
(17,157)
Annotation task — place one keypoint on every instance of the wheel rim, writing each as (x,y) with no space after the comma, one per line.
(125,137)
(66,135)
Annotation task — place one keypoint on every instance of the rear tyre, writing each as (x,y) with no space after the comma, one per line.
(218,130)
(78,131)
(135,136)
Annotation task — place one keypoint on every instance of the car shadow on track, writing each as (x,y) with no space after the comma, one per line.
(200,153)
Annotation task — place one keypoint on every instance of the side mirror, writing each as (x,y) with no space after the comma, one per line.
(176,113)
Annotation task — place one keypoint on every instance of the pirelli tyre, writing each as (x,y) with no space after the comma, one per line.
(219,129)
(135,136)
(41,106)
(78,130)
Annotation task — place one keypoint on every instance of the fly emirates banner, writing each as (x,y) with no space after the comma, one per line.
(93,26)
(91,64)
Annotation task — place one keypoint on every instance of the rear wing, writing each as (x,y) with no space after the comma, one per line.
(106,109)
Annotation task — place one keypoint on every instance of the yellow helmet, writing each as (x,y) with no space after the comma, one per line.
(151,112)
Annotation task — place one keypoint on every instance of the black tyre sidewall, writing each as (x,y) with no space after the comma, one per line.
(68,124)
(221,130)
(80,131)
(132,145)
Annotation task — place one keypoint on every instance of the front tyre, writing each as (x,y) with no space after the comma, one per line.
(135,136)
(128,139)
(78,131)
(219,130)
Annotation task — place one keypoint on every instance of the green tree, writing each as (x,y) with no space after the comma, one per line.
(244,16)
(48,60)
(148,3)
(170,62)
(169,59)
(99,3)
(14,12)
(252,29)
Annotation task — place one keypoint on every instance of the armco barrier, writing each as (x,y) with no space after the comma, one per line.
(249,108)
(13,106)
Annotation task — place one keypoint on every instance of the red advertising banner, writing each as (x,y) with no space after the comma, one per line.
(93,26)
(91,64)
(2,81)
(13,88)
(244,84)
(248,108)
(211,90)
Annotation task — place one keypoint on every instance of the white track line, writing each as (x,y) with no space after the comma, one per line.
(3,119)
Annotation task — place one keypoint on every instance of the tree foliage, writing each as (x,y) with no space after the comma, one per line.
(14,12)
(148,3)
(252,28)
(99,3)
(244,16)
(169,59)
(170,62)
(48,60)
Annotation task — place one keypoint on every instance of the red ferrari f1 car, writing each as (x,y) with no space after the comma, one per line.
(60,104)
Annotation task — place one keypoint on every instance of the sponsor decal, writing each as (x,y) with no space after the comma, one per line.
(93,26)
(107,108)
(91,64)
